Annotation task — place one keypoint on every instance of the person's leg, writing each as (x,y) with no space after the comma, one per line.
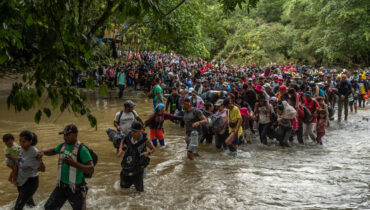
(355,104)
(300,134)
(121,88)
(77,199)
(139,182)
(285,137)
(305,131)
(125,181)
(153,137)
(345,103)
(26,192)
(340,109)
(262,133)
(311,130)
(319,137)
(56,199)
(209,137)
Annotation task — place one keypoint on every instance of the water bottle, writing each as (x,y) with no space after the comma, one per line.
(193,145)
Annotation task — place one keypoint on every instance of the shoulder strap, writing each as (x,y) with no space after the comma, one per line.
(78,152)
(120,115)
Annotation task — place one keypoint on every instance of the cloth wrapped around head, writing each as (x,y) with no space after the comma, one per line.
(159,107)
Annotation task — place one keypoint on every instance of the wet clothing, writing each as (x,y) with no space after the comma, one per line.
(190,117)
(28,165)
(125,121)
(62,193)
(233,116)
(64,149)
(26,191)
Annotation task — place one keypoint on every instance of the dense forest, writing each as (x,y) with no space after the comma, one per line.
(314,32)
(48,40)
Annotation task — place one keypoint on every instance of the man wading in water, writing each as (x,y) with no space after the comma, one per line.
(71,169)
(193,118)
(136,158)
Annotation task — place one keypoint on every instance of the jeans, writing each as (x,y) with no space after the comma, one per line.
(300,134)
(121,88)
(137,180)
(63,193)
(341,103)
(308,130)
(220,140)
(283,135)
(26,192)
(263,130)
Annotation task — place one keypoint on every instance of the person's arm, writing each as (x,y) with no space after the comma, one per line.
(149,120)
(202,121)
(159,96)
(120,149)
(49,152)
(11,158)
(41,166)
(149,144)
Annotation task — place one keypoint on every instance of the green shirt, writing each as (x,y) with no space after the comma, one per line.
(121,78)
(157,89)
(85,157)
(12,151)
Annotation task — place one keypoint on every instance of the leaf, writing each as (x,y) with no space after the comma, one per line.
(90,84)
(47,112)
(3,58)
(29,20)
(103,90)
(38,116)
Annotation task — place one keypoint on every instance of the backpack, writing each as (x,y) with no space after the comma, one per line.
(94,157)
(120,115)
(216,123)
(132,163)
(307,114)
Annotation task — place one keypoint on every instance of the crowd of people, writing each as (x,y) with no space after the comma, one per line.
(214,102)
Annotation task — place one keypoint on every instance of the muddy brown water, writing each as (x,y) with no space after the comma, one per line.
(335,175)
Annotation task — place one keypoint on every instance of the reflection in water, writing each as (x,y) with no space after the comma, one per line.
(335,175)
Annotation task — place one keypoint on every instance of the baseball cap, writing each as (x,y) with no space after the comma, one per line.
(136,126)
(129,103)
(219,102)
(69,129)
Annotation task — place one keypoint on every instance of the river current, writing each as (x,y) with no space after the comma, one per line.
(335,175)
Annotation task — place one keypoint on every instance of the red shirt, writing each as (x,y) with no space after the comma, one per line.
(312,106)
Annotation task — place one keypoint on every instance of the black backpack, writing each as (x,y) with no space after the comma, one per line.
(94,157)
(217,125)
(132,163)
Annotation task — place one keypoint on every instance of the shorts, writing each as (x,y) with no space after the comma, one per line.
(156,134)
(353,102)
(236,141)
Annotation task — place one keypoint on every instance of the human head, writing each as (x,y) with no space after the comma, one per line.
(280,109)
(219,104)
(70,133)
(128,106)
(228,104)
(186,104)
(174,91)
(8,139)
(209,107)
(158,81)
(344,77)
(283,89)
(27,139)
(322,114)
(261,99)
(136,128)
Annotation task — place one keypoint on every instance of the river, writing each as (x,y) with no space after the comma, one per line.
(335,175)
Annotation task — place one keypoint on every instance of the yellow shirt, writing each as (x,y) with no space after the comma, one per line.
(233,116)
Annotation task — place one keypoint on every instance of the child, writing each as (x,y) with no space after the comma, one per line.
(155,122)
(12,151)
(245,125)
(322,122)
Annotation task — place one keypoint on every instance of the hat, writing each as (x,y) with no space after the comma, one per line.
(250,80)
(136,126)
(191,90)
(283,87)
(259,88)
(226,102)
(219,102)
(69,129)
(267,85)
(159,107)
(244,111)
(274,99)
(225,84)
(129,103)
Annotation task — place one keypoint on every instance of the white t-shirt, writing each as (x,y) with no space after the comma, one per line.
(126,120)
